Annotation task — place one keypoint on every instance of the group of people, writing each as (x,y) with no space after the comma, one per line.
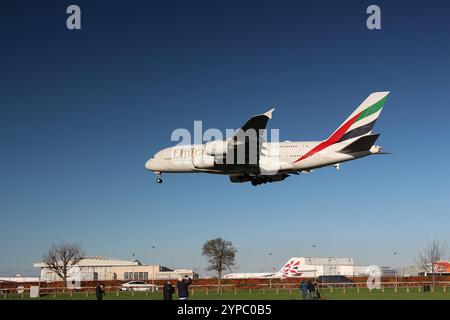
(309,288)
(182,286)
(168,289)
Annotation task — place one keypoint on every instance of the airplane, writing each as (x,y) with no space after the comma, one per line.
(294,267)
(247,157)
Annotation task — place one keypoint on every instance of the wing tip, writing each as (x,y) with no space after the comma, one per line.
(268,114)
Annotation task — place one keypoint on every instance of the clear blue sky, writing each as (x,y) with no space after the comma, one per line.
(81,112)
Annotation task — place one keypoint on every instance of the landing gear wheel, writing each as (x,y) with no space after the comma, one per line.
(158,177)
(254,183)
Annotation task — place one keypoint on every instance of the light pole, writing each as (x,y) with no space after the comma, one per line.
(155,264)
(270,276)
(314,256)
(396,275)
(133,255)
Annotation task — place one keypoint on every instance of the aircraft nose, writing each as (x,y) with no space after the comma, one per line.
(149,165)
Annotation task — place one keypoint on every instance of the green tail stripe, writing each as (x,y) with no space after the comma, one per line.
(372,109)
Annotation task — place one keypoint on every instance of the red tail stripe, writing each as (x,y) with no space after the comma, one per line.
(331,140)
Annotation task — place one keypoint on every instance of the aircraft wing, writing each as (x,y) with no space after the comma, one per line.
(247,142)
(257,123)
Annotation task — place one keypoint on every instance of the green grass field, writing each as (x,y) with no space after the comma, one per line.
(268,294)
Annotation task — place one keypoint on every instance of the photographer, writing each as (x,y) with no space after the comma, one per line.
(183,288)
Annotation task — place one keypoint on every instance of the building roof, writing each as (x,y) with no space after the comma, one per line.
(97,261)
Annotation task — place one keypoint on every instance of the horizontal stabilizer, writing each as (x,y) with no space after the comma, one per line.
(362,144)
(382,153)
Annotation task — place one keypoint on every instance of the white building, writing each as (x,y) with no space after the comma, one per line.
(102,268)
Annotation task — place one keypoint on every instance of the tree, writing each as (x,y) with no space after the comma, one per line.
(221,255)
(60,258)
(429,259)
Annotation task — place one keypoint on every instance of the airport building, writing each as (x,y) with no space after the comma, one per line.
(102,268)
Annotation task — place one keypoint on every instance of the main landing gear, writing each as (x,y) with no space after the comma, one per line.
(260,180)
(158,177)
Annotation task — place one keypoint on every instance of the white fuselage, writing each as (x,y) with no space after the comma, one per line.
(280,157)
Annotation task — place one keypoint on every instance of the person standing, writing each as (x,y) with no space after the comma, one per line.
(183,288)
(312,290)
(100,291)
(168,290)
(304,289)
(317,291)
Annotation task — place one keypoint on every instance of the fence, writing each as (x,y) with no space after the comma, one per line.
(230,289)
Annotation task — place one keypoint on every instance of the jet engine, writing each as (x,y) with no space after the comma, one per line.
(216,148)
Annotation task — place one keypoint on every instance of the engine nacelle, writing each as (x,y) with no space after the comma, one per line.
(204,162)
(216,148)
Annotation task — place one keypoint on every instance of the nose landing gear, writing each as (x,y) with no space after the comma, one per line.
(158,177)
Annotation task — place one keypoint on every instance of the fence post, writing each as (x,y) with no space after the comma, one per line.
(277,290)
(331,289)
(445,288)
(206,290)
(432,288)
(357,289)
(382,289)
(87,292)
(344,288)
(235,290)
(132,292)
(192,291)
(407,289)
(54,292)
(395,289)
(290,290)
(117,292)
(250,290)
(264,290)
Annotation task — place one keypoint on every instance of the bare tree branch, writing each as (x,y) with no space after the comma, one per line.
(221,256)
(60,258)
(433,254)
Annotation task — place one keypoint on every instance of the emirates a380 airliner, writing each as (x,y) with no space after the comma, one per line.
(247,157)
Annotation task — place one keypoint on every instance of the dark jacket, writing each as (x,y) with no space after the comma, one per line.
(168,291)
(183,288)
(311,287)
(99,292)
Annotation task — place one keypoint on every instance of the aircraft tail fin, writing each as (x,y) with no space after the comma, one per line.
(359,123)
(362,120)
